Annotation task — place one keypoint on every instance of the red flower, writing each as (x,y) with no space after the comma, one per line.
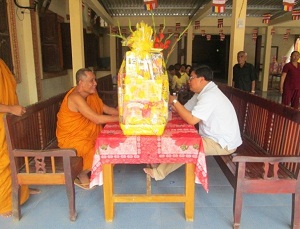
(158,43)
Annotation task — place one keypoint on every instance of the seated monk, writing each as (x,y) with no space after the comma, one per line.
(8,104)
(80,121)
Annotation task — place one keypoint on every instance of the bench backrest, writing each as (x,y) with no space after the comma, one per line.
(272,126)
(105,83)
(36,129)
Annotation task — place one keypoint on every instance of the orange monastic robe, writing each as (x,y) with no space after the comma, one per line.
(76,131)
(8,96)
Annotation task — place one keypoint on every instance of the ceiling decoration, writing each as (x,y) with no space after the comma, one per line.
(187,8)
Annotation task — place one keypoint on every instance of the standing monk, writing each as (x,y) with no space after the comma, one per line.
(8,104)
(80,121)
(290,81)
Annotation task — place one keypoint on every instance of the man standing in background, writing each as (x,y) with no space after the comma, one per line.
(244,75)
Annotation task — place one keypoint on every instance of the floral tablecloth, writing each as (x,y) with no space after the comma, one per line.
(180,143)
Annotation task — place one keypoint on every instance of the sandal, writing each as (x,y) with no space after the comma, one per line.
(85,186)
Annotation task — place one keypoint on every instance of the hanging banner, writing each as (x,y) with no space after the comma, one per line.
(150,4)
(222,37)
(272,31)
(218,6)
(220,23)
(124,31)
(288,5)
(197,25)
(177,26)
(254,34)
(296,14)
(266,18)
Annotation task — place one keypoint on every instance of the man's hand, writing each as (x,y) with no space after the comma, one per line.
(17,110)
(171,98)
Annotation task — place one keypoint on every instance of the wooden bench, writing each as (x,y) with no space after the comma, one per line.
(268,161)
(106,91)
(35,158)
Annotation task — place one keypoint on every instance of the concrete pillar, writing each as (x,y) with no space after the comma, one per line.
(77,41)
(189,48)
(267,56)
(237,34)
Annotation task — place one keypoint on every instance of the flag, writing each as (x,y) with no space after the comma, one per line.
(272,31)
(288,5)
(222,37)
(220,23)
(161,26)
(296,14)
(266,18)
(124,31)
(150,4)
(254,34)
(197,25)
(218,6)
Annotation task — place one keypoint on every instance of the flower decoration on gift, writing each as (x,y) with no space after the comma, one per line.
(145,39)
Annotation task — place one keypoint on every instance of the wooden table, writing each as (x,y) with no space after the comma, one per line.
(180,143)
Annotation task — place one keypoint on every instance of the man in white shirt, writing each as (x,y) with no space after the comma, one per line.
(218,124)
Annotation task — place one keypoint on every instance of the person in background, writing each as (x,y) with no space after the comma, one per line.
(171,73)
(80,121)
(273,66)
(188,70)
(8,104)
(180,80)
(290,81)
(211,109)
(244,75)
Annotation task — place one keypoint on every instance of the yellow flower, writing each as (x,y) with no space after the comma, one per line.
(140,40)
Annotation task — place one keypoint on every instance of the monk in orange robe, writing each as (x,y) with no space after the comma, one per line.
(80,120)
(8,104)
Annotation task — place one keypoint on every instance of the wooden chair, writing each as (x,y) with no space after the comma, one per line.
(35,158)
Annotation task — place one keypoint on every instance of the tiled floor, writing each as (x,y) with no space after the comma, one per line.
(213,210)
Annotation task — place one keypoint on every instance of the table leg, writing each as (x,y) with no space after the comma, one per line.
(108,191)
(189,191)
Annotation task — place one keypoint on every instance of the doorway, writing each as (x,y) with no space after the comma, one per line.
(214,53)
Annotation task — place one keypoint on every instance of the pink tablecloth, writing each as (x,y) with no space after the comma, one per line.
(180,143)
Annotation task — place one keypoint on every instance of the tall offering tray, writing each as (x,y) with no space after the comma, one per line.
(143,86)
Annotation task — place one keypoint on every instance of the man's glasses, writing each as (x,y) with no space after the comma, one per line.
(192,77)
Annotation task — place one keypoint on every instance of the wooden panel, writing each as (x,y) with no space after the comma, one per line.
(51,43)
(5,45)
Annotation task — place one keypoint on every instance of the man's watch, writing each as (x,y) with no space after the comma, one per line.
(174,101)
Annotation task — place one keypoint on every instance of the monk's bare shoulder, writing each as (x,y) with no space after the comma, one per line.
(74,100)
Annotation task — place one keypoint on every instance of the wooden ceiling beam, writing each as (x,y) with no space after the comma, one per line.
(100,11)
(202,12)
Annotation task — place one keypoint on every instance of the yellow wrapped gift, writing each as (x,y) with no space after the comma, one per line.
(143,91)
